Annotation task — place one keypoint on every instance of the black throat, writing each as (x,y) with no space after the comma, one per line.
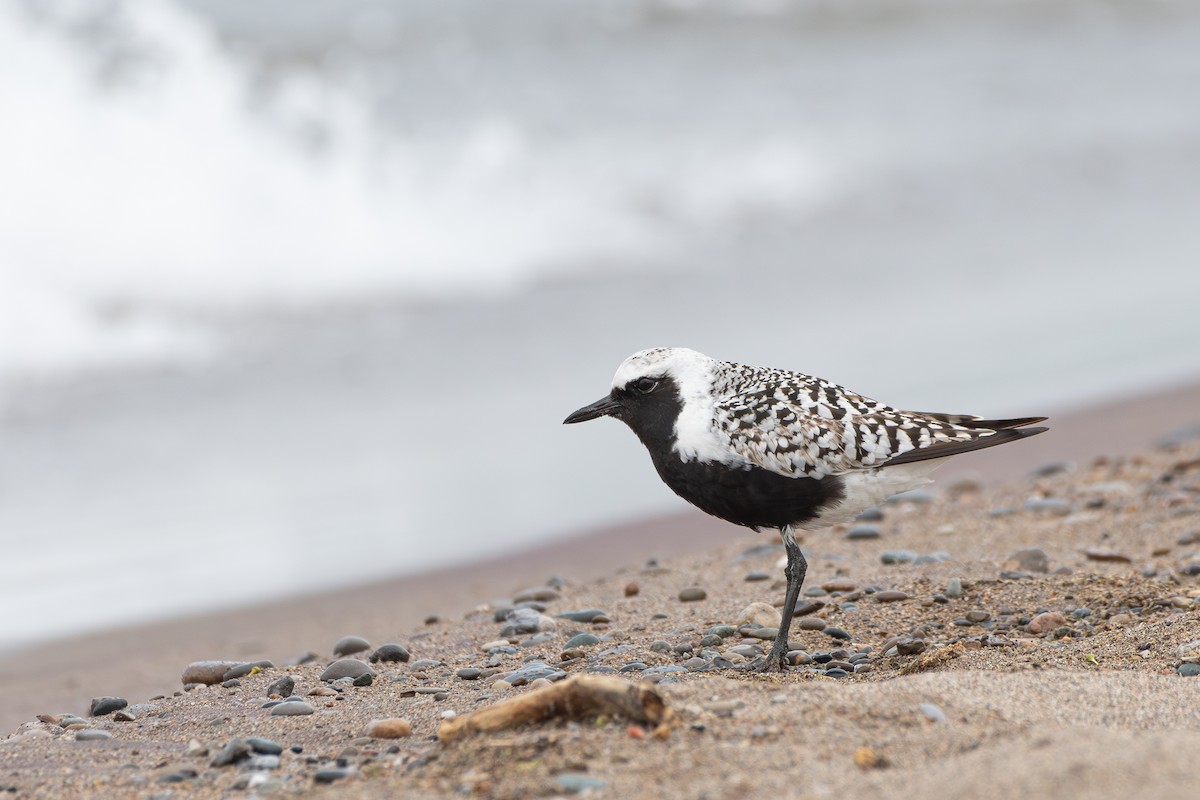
(749,496)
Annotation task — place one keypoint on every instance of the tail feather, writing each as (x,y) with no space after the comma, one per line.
(1003,434)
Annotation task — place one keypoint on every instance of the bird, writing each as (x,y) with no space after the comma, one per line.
(769,448)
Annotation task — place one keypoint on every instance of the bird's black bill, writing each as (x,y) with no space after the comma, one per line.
(603,407)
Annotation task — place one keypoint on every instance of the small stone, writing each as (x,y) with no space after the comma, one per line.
(366,679)
(469,673)
(207,672)
(542,594)
(92,735)
(264,746)
(977,616)
(863,532)
(233,752)
(836,633)
(766,634)
(283,686)
(346,668)
(631,589)
(910,645)
(811,624)
(809,608)
(106,705)
(582,640)
(758,575)
(693,594)
(576,783)
(1056,468)
(840,585)
(1188,670)
(1045,622)
(897,557)
(261,762)
(247,668)
(1105,554)
(871,515)
(393,728)
(954,588)
(331,774)
(1031,559)
(124,715)
(1048,505)
(933,712)
(890,596)
(759,614)
(487,647)
(585,615)
(349,645)
(1014,575)
(292,708)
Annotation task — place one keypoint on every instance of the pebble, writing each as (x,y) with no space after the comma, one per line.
(92,735)
(1045,622)
(247,668)
(391,728)
(264,746)
(207,672)
(542,594)
(910,645)
(1048,505)
(723,631)
(106,705)
(693,594)
(836,633)
(897,556)
(331,774)
(1031,559)
(349,645)
(366,679)
(890,596)
(261,762)
(581,640)
(575,783)
(809,608)
(933,712)
(978,615)
(234,751)
(954,588)
(283,686)
(757,575)
(1056,468)
(811,624)
(292,708)
(840,585)
(860,532)
(1105,554)
(766,634)
(586,615)
(1188,670)
(631,589)
(526,620)
(871,515)
(1014,575)
(759,614)
(124,715)
(913,496)
(346,668)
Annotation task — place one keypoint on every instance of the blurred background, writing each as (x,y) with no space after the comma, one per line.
(296,293)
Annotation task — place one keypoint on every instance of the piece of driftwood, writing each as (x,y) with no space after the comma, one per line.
(577,696)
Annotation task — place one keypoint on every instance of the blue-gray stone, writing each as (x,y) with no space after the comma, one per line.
(897,556)
(582,640)
(292,708)
(574,783)
(346,668)
(933,712)
(585,615)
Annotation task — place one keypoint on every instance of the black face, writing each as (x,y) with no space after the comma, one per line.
(648,405)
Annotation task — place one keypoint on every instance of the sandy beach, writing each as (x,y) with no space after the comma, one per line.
(1090,702)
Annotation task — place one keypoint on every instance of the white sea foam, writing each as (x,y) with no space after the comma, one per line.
(144,181)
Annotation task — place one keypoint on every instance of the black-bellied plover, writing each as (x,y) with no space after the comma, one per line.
(767,448)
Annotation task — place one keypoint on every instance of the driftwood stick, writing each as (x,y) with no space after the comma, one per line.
(577,696)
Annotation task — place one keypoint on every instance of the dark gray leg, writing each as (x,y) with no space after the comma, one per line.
(794,571)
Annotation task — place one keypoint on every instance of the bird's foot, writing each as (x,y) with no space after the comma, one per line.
(775,661)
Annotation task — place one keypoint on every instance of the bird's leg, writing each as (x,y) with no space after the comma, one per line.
(794,571)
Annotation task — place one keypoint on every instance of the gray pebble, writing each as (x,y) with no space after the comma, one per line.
(758,576)
(331,774)
(1014,575)
(978,615)
(106,705)
(890,596)
(1031,559)
(871,515)
(1188,670)
(860,532)
(836,633)
(933,712)
(94,734)
(582,640)
(469,673)
(245,668)
(268,761)
(366,679)
(542,594)
(574,783)
(264,746)
(234,751)
(348,645)
(954,588)
(692,594)
(897,556)
(586,615)
(723,631)
(283,686)
(292,708)
(428,663)
(346,668)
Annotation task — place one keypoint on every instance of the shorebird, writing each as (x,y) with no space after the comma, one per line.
(767,448)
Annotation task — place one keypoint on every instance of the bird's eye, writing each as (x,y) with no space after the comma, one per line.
(645,385)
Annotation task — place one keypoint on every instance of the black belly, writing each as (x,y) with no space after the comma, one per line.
(754,497)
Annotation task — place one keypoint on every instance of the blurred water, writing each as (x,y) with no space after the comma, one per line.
(294,294)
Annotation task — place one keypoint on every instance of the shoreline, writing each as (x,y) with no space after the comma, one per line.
(143,660)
